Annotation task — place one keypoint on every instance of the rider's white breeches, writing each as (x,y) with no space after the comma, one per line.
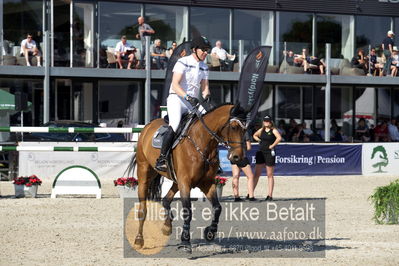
(177,106)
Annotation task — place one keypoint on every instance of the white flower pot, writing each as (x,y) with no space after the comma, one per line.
(392,215)
(219,191)
(19,191)
(127,192)
(32,190)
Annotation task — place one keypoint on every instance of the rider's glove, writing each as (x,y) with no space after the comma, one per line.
(192,100)
(207,98)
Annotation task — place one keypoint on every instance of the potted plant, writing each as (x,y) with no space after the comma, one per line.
(127,187)
(386,203)
(19,184)
(27,184)
(220,183)
(33,182)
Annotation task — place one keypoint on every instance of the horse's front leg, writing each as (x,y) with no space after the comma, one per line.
(209,189)
(187,216)
(167,226)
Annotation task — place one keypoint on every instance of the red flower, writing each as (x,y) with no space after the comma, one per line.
(126,181)
(221,181)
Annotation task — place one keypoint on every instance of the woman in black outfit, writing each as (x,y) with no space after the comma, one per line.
(269,137)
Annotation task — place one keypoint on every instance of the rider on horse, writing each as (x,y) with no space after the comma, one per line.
(190,74)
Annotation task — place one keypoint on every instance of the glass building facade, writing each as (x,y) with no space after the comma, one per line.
(82,34)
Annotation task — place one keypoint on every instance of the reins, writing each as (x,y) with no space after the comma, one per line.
(219,139)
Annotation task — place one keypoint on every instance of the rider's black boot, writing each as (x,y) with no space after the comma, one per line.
(161,164)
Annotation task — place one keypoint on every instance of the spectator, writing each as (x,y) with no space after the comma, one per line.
(309,135)
(123,51)
(290,58)
(158,55)
(144,30)
(29,48)
(281,129)
(226,59)
(170,50)
(395,62)
(312,64)
(298,135)
(359,61)
(381,132)
(373,63)
(393,130)
(387,47)
(334,127)
(338,136)
(362,131)
(291,128)
(120,123)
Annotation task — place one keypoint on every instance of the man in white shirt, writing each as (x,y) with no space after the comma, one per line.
(393,130)
(29,48)
(123,51)
(226,59)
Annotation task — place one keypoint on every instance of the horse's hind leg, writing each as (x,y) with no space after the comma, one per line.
(209,189)
(167,227)
(145,174)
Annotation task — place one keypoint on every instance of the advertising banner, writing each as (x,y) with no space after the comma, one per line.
(308,159)
(47,165)
(252,80)
(380,158)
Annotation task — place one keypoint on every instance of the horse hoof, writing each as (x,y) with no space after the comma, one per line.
(139,242)
(166,230)
(185,247)
(210,233)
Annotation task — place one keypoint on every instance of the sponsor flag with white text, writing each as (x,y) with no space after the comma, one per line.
(251,80)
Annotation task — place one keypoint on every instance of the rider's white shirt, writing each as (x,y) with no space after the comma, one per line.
(193,73)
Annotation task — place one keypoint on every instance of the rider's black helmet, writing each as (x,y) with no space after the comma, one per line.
(202,43)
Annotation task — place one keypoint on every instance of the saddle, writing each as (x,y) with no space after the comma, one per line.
(186,121)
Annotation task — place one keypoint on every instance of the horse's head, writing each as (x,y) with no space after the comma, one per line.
(233,134)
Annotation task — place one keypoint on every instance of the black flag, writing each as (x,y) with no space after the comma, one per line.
(180,51)
(251,80)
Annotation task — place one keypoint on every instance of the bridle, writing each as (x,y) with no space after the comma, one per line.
(225,143)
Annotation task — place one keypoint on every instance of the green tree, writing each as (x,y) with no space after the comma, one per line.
(380,150)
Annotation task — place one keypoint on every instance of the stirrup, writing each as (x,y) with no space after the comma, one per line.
(161,164)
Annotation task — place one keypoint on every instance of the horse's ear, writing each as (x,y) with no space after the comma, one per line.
(238,111)
(235,110)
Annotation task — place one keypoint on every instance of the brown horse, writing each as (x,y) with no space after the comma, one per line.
(195,161)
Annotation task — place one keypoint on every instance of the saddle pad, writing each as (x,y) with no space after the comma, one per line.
(158,137)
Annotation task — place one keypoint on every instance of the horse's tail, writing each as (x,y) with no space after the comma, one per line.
(131,168)
(154,190)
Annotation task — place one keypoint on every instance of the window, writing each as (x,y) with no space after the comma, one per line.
(337,30)
(169,23)
(212,23)
(253,27)
(296,30)
(20,18)
(122,100)
(371,31)
(33,115)
(117,19)
(395,97)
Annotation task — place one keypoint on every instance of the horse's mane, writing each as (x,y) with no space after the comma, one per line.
(216,107)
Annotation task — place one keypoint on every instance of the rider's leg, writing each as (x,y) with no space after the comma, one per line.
(176,108)
(166,145)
